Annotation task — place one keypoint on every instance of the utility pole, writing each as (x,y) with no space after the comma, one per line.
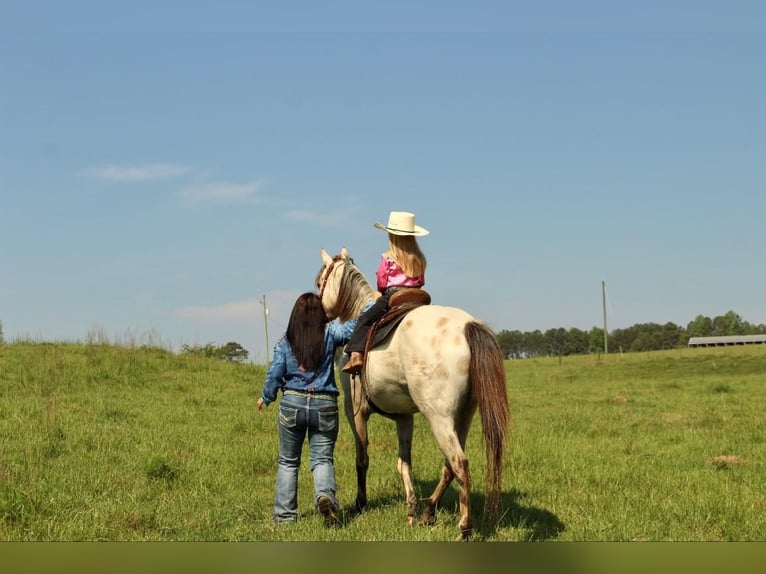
(606,333)
(266,326)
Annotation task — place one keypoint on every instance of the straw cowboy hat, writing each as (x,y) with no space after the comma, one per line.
(402,223)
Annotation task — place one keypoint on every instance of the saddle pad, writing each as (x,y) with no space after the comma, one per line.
(384,328)
(390,321)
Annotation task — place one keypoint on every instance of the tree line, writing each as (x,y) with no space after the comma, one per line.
(639,337)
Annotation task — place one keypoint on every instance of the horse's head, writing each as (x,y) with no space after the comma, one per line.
(342,287)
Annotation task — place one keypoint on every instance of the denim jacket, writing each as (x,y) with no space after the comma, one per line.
(285,373)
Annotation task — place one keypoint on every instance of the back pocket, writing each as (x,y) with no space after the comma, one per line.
(288,417)
(328,420)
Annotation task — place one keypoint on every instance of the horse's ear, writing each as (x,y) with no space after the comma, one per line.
(326,259)
(344,253)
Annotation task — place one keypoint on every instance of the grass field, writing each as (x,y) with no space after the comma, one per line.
(103,442)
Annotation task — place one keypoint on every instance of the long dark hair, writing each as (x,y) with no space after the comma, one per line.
(305,331)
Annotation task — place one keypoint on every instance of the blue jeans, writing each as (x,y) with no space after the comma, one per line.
(300,415)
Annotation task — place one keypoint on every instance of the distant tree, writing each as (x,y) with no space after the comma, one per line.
(621,339)
(556,342)
(577,342)
(2,340)
(649,337)
(672,336)
(701,326)
(534,344)
(208,350)
(751,329)
(596,340)
(728,324)
(233,352)
(511,343)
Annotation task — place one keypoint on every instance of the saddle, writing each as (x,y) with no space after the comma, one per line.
(400,303)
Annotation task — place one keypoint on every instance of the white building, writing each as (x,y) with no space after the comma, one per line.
(727,340)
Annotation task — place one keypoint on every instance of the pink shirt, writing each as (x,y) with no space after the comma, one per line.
(389,274)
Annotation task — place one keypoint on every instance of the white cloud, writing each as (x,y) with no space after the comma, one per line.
(222,192)
(136,173)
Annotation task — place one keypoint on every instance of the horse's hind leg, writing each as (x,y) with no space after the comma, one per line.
(429,514)
(404,428)
(455,466)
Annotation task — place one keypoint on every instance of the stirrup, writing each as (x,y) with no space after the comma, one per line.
(354,364)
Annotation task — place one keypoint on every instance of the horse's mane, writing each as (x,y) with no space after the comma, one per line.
(354,291)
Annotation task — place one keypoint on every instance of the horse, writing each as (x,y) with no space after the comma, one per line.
(440,362)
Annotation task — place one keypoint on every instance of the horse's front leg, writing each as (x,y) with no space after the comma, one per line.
(362,458)
(357,414)
(404,429)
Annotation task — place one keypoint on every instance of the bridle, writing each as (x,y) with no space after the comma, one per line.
(335,259)
(330,268)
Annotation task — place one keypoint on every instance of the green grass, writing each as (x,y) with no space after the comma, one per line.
(103,442)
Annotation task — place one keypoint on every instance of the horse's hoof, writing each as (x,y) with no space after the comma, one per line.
(411,520)
(428,518)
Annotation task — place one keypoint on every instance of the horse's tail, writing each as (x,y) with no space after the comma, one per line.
(487,376)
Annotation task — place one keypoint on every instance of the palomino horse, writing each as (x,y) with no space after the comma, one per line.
(440,362)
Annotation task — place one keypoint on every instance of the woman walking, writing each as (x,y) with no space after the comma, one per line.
(303,369)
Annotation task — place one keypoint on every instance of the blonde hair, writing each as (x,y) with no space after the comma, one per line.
(404,249)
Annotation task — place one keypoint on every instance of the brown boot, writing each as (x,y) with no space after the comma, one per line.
(354,365)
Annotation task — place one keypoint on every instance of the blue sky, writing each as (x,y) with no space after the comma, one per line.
(165,166)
